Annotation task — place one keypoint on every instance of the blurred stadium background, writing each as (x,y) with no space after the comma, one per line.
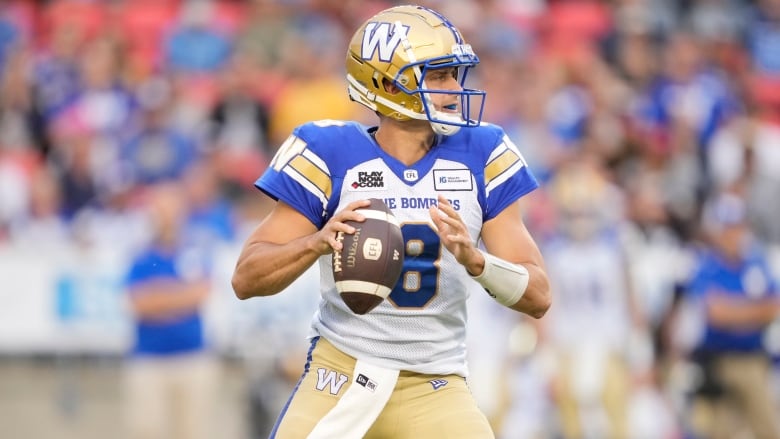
(632,113)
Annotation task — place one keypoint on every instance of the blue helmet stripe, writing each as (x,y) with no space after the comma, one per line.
(452,28)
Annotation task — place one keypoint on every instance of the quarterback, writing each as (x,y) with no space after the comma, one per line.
(454,184)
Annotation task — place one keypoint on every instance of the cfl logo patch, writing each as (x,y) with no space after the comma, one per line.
(438,384)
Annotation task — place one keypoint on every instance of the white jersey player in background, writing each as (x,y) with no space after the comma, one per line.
(451,180)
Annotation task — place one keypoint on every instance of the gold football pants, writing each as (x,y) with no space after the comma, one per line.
(421,406)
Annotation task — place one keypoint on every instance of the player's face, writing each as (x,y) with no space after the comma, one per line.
(731,239)
(444,79)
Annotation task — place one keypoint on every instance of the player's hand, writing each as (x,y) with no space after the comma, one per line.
(455,236)
(325,238)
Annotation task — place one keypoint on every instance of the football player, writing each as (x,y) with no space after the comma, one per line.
(453,182)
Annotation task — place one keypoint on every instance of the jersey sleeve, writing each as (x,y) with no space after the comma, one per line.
(299,176)
(506,177)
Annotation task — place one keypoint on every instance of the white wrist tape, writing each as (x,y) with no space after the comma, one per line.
(504,281)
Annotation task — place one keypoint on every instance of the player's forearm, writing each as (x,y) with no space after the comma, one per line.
(161,299)
(521,287)
(728,313)
(537,297)
(265,269)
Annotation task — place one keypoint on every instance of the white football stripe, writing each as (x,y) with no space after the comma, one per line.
(360,286)
(500,148)
(314,158)
(380,215)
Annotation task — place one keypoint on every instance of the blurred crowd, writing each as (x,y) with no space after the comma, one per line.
(653,127)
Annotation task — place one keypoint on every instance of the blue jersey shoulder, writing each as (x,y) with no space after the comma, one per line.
(309,166)
(337,143)
(478,141)
(331,135)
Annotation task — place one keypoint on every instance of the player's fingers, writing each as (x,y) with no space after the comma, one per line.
(336,241)
(437,218)
(343,217)
(442,213)
(357,205)
(446,207)
(338,226)
(327,241)
(452,221)
(335,234)
(454,224)
(458,238)
(349,213)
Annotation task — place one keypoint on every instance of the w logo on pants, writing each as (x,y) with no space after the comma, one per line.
(330,378)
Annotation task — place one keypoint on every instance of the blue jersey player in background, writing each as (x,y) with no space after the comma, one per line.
(453,182)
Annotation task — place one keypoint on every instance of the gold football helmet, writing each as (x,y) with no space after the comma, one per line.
(400,45)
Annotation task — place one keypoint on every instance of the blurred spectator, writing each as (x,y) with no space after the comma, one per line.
(763,36)
(239,131)
(314,78)
(735,287)
(103,104)
(42,224)
(524,114)
(80,188)
(159,150)
(194,45)
(744,153)
(261,41)
(9,35)
(211,219)
(653,18)
(692,98)
(143,25)
(676,117)
(22,126)
(57,78)
(87,18)
(171,373)
(14,193)
(718,20)
(657,258)
(88,130)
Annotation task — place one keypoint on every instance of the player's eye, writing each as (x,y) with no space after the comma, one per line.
(443,74)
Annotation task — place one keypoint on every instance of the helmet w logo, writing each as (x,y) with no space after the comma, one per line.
(384,37)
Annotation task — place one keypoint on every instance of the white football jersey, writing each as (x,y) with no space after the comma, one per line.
(325,165)
(591,293)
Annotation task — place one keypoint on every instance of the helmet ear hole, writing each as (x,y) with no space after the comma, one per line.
(389,87)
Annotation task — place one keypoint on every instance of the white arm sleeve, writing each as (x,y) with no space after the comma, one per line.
(504,281)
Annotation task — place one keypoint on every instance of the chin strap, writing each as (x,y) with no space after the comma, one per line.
(442,128)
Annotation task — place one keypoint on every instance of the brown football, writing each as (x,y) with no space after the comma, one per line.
(370,261)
